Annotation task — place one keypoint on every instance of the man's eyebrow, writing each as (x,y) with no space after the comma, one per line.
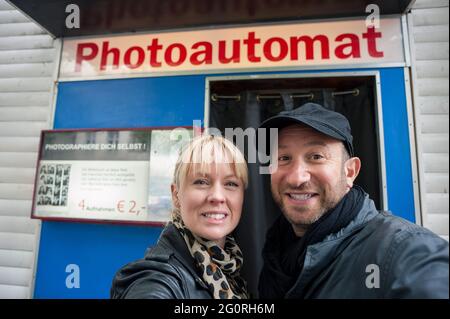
(316,143)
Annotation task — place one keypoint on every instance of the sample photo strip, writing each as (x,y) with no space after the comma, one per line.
(53,184)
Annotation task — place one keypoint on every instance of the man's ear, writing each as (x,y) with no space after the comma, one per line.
(175,201)
(352,167)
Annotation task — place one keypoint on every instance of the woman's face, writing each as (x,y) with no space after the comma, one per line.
(210,202)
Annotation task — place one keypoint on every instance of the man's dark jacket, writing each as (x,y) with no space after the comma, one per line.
(377,255)
(166,272)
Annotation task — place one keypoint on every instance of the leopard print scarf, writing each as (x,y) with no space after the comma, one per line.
(219,268)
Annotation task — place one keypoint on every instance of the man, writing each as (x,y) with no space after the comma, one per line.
(331,242)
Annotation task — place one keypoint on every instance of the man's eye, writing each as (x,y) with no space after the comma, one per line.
(284,158)
(317,157)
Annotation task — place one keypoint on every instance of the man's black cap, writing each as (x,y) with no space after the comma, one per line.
(319,118)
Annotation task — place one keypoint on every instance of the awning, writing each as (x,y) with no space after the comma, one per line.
(119,16)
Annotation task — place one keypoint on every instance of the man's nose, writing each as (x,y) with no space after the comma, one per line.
(298,175)
(217,194)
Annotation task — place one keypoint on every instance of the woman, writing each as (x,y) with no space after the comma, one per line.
(195,257)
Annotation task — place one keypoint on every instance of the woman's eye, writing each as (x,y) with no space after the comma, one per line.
(200,182)
(232,184)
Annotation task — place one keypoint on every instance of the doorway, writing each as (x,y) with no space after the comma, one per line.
(244,102)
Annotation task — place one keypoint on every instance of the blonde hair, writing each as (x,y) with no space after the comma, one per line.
(205,150)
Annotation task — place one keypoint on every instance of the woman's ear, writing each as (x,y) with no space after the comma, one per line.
(352,167)
(175,200)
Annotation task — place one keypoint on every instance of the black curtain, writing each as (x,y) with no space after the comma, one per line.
(259,210)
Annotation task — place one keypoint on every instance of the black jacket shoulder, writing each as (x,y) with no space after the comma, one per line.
(166,272)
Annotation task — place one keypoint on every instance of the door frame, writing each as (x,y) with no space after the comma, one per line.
(378,105)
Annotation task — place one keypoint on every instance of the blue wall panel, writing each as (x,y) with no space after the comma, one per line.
(99,250)
(397,144)
(164,101)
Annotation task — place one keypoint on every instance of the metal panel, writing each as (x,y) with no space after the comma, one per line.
(24,99)
(427,17)
(27,56)
(438,223)
(14,292)
(435,163)
(18,160)
(11,258)
(22,128)
(18,225)
(14,175)
(26,42)
(433,33)
(15,276)
(16,191)
(19,144)
(433,87)
(435,143)
(431,71)
(430,4)
(12,16)
(18,29)
(11,207)
(435,123)
(25,85)
(26,69)
(5,5)
(436,183)
(11,241)
(23,113)
(432,51)
(432,104)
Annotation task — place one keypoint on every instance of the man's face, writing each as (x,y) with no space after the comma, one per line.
(312,175)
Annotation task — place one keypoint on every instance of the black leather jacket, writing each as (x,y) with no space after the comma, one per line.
(376,256)
(166,272)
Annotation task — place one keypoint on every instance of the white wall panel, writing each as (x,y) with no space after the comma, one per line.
(27,67)
(27,56)
(14,175)
(26,113)
(19,144)
(25,85)
(14,292)
(16,258)
(429,26)
(26,70)
(11,207)
(17,29)
(13,224)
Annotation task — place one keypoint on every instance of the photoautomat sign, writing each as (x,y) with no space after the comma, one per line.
(229,49)
(107,175)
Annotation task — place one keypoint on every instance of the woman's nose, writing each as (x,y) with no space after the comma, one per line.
(217,194)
